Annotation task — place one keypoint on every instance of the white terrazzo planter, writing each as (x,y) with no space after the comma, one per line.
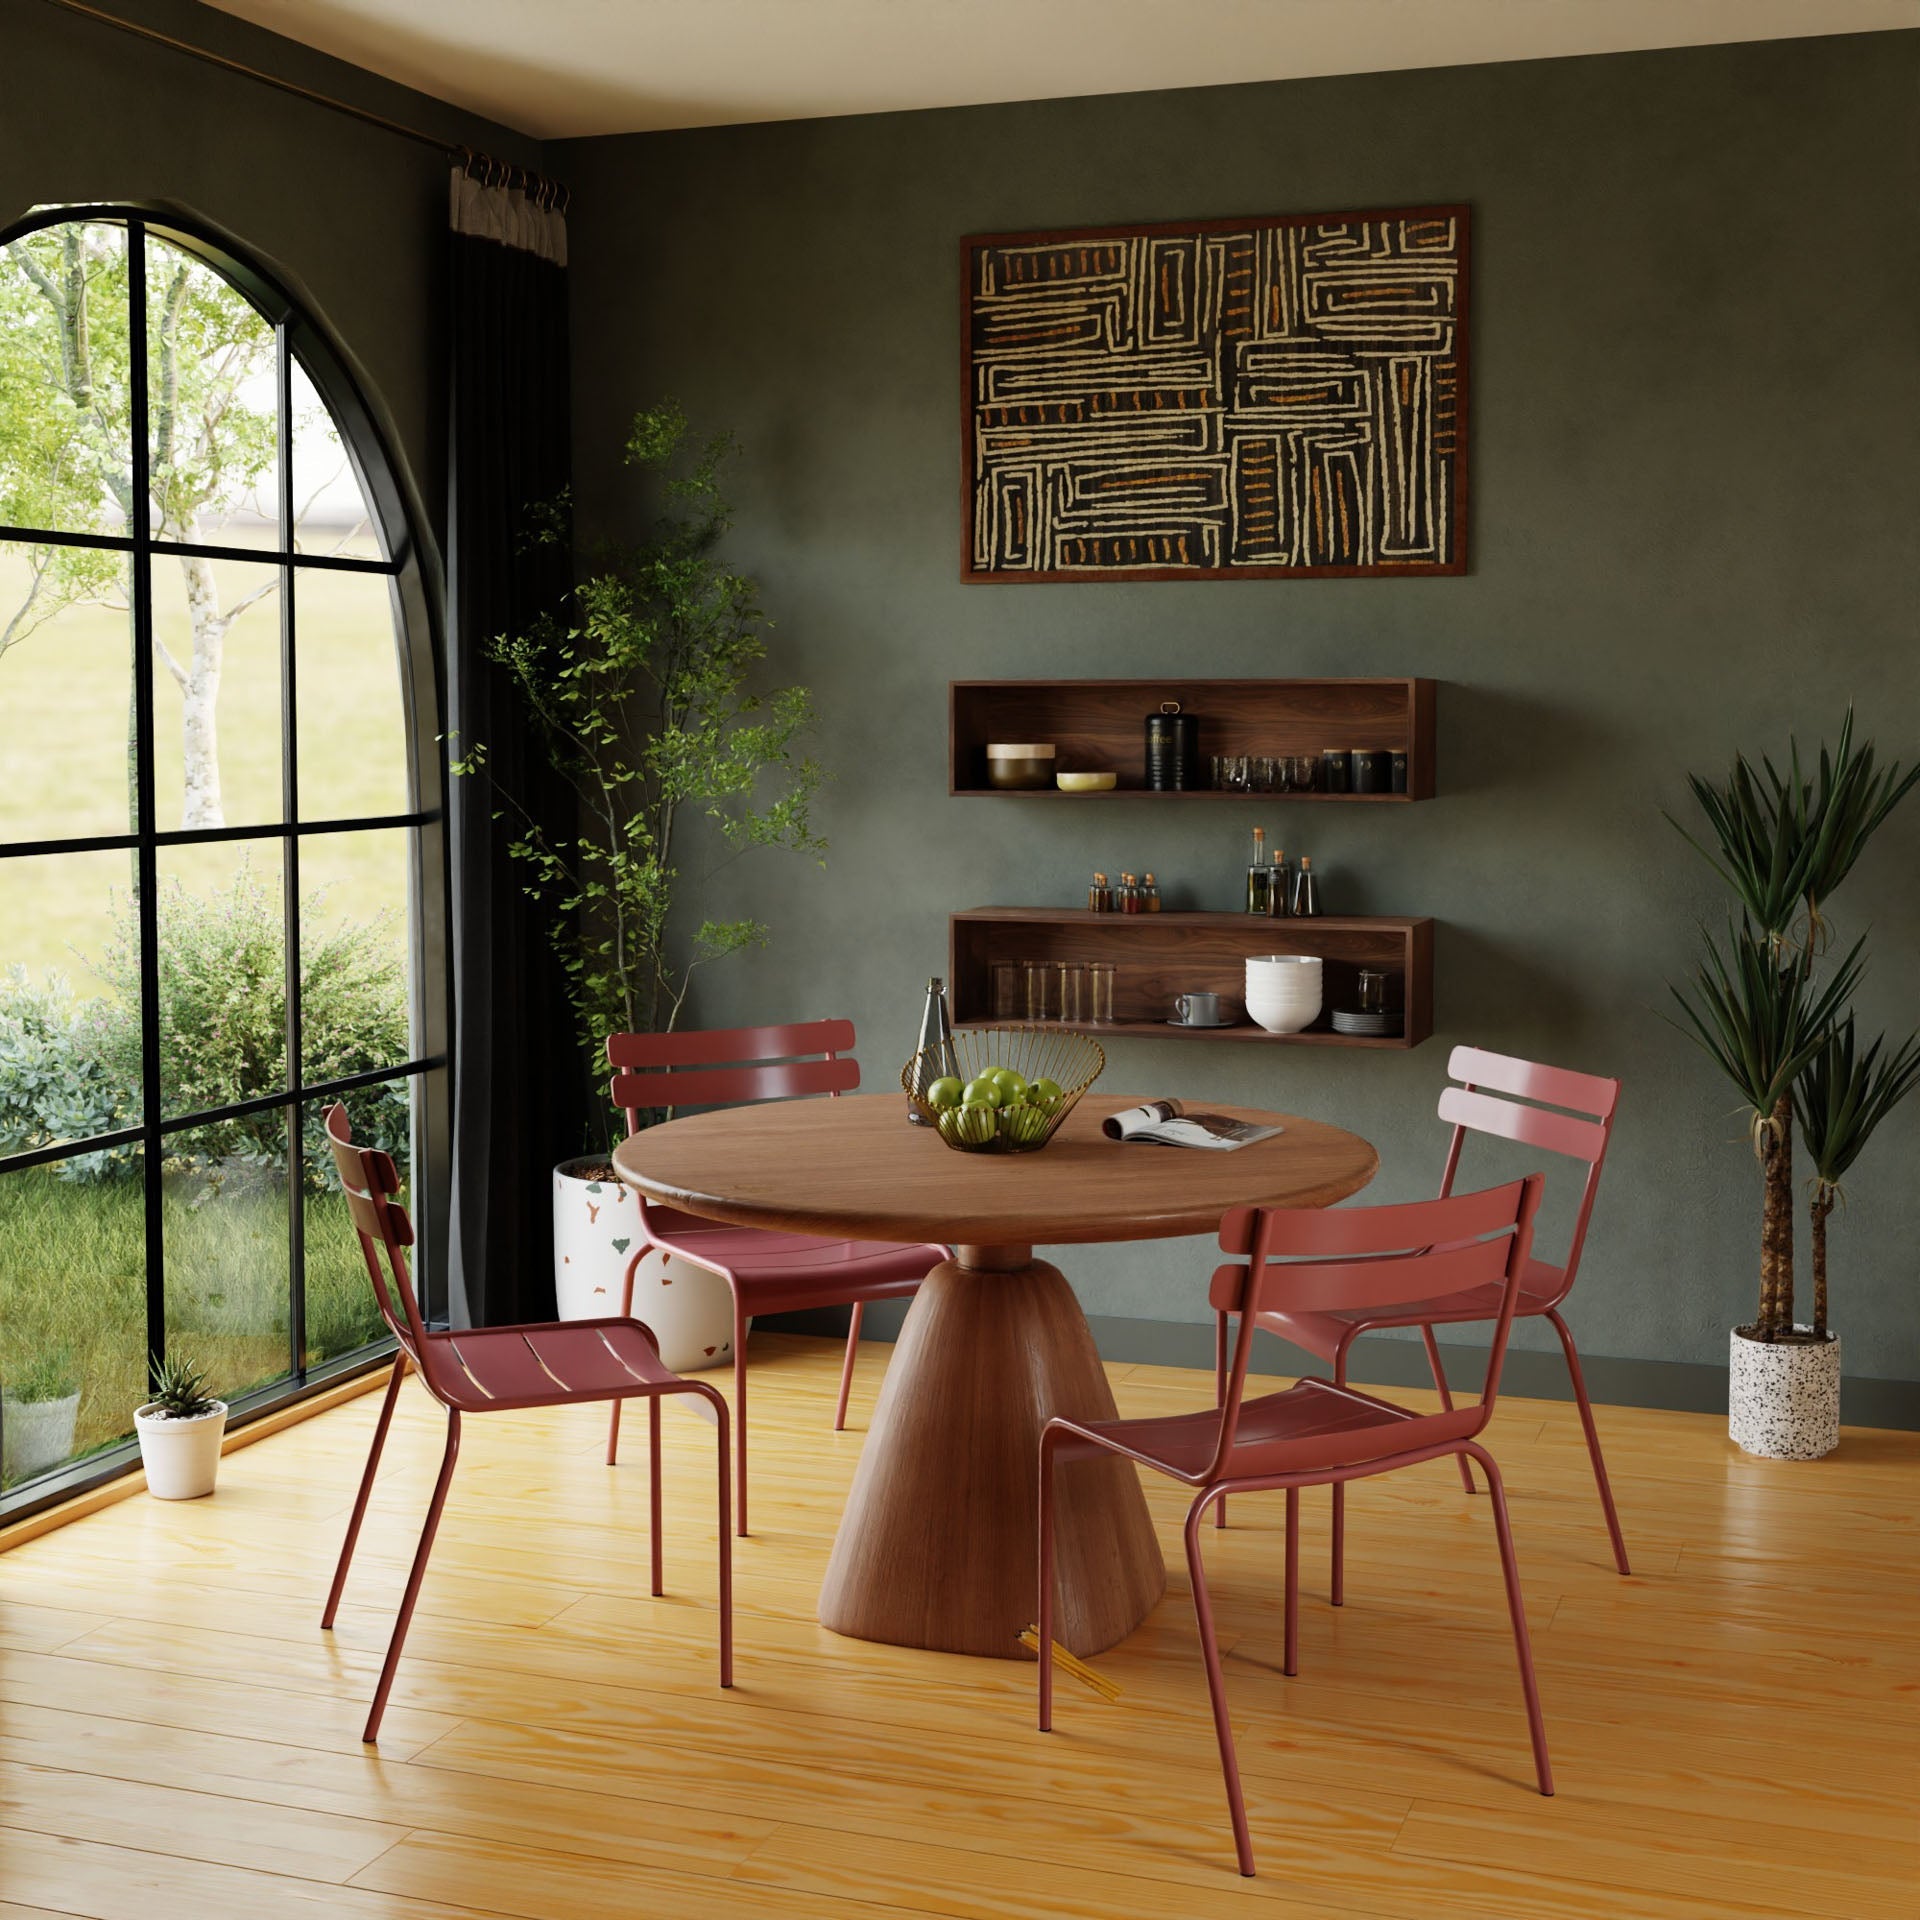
(1784,1395)
(35,1435)
(596,1224)
(182,1457)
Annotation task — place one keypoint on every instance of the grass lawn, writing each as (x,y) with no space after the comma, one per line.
(72,1279)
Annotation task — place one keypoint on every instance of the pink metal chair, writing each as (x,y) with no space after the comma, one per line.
(496,1370)
(766,1272)
(1320,1432)
(1473,1107)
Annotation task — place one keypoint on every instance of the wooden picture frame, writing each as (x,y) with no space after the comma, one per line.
(1266,398)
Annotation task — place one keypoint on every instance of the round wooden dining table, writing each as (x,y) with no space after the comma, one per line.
(938,1546)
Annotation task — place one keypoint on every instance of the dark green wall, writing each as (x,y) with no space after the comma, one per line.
(1696,506)
(352,219)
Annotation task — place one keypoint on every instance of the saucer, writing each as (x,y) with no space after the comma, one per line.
(1203,1026)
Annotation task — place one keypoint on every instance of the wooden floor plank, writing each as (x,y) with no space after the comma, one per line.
(175,1731)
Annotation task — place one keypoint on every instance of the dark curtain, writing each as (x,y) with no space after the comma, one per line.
(516,1099)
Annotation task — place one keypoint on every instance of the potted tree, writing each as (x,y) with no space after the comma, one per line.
(180,1431)
(39,1402)
(639,686)
(1783,842)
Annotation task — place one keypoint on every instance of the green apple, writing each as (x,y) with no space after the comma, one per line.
(1025,1125)
(1044,1094)
(982,1093)
(1012,1085)
(968,1126)
(945,1092)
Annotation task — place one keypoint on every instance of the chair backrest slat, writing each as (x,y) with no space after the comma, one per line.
(369,1179)
(1530,1080)
(1306,1260)
(721,1046)
(735,1085)
(1479,1112)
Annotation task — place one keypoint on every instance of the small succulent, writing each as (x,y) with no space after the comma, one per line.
(48,1375)
(179,1388)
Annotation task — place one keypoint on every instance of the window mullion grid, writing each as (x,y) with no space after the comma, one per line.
(146,857)
(290,869)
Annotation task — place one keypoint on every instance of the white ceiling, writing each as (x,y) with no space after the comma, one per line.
(560,67)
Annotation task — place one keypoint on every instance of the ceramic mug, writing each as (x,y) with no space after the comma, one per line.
(1197,1009)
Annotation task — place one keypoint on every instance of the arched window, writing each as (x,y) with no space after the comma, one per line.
(221,875)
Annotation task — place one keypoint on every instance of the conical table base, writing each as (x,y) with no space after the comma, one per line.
(938,1546)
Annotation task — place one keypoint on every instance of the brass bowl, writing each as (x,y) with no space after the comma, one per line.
(1036,1052)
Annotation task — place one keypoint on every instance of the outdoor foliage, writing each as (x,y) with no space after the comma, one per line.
(1783,1038)
(640,689)
(72,1068)
(46,1374)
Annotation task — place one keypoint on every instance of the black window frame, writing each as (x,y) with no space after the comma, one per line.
(416,613)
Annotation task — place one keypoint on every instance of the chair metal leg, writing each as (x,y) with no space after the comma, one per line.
(421,1553)
(1337,1581)
(1043,1622)
(366,1488)
(1516,1609)
(1216,1688)
(726,1539)
(1446,1397)
(1291,1665)
(653,1467)
(1220,1394)
(740,1418)
(1593,1440)
(626,1313)
(846,1366)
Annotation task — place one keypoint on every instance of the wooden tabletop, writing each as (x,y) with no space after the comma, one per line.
(853,1168)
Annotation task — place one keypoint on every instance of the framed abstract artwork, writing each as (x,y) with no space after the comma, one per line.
(1252,399)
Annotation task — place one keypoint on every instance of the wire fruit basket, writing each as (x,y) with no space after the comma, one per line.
(1015,1086)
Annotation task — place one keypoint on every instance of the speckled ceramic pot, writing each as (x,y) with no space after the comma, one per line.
(1784,1396)
(595,1226)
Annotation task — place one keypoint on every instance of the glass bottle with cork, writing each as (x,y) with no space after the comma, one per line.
(1149,894)
(1306,889)
(1279,886)
(1258,874)
(1127,900)
(1100,895)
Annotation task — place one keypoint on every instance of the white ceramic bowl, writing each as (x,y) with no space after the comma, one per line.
(1285,1019)
(1283,966)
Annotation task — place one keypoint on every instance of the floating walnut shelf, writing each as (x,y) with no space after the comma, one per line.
(1101,725)
(1158,955)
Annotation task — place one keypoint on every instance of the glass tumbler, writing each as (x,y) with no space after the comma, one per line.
(1099,991)
(1009,989)
(1072,999)
(1040,977)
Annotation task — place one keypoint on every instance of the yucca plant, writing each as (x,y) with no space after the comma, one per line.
(1840,1099)
(1786,841)
(179,1388)
(1758,1015)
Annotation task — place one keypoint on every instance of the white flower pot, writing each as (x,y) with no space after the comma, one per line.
(35,1435)
(1783,1396)
(595,1226)
(182,1457)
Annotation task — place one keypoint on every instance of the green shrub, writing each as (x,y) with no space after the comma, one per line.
(46,1374)
(55,1082)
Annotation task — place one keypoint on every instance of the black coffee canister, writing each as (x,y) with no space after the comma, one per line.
(1173,749)
(1372,770)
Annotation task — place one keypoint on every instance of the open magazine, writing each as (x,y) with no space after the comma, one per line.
(1168,1124)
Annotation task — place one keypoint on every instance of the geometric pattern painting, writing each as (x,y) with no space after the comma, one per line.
(1226,399)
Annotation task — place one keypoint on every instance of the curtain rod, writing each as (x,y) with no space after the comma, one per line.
(474,162)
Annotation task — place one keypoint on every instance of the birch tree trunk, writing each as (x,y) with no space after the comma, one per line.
(199,684)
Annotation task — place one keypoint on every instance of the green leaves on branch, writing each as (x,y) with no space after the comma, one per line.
(641,686)
(1785,842)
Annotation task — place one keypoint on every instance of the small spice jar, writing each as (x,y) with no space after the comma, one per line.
(1100,895)
(1127,900)
(1149,894)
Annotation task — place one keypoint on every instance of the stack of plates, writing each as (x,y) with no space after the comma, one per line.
(1283,991)
(1386,1025)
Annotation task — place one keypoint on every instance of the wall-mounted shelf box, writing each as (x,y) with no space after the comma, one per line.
(1158,955)
(1101,724)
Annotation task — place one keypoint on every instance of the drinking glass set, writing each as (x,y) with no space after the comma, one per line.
(1266,773)
(1066,990)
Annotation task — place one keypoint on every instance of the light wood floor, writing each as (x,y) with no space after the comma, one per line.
(1734,1728)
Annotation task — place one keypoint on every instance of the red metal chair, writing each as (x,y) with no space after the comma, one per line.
(1320,1432)
(1473,1107)
(496,1370)
(766,1272)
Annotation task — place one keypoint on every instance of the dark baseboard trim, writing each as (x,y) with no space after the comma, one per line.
(1678,1386)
